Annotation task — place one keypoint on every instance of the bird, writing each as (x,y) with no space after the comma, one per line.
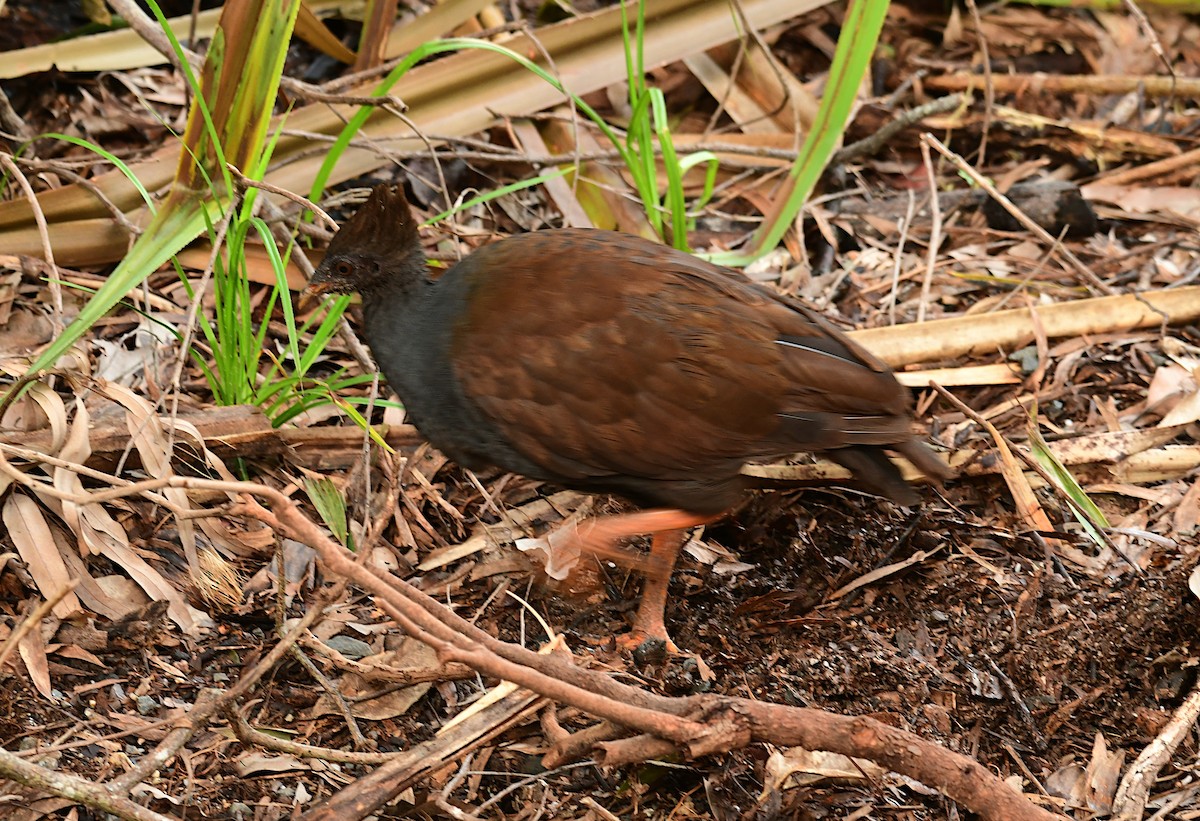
(605,362)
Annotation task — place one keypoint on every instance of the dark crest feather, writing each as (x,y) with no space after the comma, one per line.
(383,226)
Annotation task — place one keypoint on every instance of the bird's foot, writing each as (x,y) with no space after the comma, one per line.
(659,651)
(648,646)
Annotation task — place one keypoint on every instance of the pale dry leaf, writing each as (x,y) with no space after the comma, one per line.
(410,655)
(1103,774)
(1185,412)
(151,441)
(799,767)
(1185,355)
(104,595)
(98,533)
(559,551)
(52,410)
(76,653)
(174,673)
(1158,496)
(77,448)
(478,541)
(6,482)
(122,360)
(30,534)
(122,554)
(33,652)
(1029,508)
(1027,250)
(1186,519)
(1167,269)
(75,364)
(10,343)
(246,542)
(722,561)
(708,552)
(953,31)
(1168,385)
(383,560)
(142,788)
(123,589)
(1147,199)
(23,332)
(517,524)
(116,363)
(299,564)
(254,763)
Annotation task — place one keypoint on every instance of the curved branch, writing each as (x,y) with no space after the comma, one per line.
(698,725)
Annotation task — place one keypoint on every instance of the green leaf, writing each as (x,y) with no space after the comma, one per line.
(176,224)
(855,49)
(328,501)
(1085,510)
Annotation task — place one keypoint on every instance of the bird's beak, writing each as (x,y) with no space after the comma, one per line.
(310,297)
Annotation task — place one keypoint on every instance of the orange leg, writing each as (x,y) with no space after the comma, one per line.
(669,529)
(650,620)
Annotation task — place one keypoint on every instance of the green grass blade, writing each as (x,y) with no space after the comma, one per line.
(1090,516)
(855,49)
(360,117)
(112,158)
(519,185)
(169,231)
(330,505)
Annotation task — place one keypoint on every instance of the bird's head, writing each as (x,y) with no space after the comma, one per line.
(379,243)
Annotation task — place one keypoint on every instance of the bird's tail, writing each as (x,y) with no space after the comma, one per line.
(879,474)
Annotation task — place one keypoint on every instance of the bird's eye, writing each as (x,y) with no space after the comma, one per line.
(343,268)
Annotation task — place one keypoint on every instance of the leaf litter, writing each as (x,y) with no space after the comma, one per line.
(987,621)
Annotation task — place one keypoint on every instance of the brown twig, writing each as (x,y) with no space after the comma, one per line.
(698,725)
(88,793)
(305,203)
(989,87)
(254,738)
(1134,790)
(872,145)
(576,745)
(1152,85)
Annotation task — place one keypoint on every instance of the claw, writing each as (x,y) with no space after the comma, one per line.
(647,649)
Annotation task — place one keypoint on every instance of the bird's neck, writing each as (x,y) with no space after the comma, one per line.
(395,301)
